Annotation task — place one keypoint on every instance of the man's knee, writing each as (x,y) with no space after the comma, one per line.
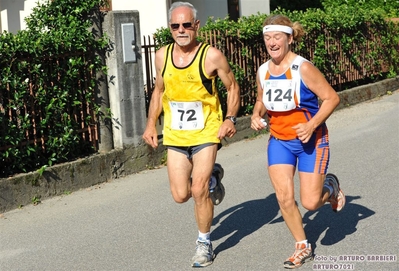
(180,195)
(199,194)
(178,198)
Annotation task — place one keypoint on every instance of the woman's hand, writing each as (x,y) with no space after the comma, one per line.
(257,123)
(304,131)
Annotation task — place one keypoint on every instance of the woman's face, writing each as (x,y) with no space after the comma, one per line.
(277,44)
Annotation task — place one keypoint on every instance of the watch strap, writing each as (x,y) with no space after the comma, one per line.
(232,118)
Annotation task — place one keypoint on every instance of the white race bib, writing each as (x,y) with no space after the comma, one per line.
(187,115)
(278,95)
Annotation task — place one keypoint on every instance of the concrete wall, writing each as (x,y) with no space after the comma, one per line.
(218,8)
(249,7)
(209,8)
(125,80)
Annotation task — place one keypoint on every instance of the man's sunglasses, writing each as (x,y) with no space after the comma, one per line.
(185,25)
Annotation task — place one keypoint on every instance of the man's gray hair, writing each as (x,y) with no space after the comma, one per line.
(182,4)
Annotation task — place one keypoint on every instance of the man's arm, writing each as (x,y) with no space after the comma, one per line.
(217,63)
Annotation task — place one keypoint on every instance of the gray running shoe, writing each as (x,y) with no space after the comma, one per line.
(337,199)
(217,193)
(203,255)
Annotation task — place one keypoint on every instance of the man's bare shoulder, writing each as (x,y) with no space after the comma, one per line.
(217,58)
(161,51)
(214,53)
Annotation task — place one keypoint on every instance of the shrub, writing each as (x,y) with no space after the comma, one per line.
(47,87)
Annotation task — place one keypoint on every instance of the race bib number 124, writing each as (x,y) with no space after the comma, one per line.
(278,95)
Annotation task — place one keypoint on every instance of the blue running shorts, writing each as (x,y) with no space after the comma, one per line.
(312,157)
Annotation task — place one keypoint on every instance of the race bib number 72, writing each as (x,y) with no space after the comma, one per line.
(187,115)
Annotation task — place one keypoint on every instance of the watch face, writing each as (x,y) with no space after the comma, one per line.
(233,119)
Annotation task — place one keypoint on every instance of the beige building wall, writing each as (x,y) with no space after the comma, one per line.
(153,13)
(13,13)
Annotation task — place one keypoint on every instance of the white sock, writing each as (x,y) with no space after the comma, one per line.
(204,237)
(303,242)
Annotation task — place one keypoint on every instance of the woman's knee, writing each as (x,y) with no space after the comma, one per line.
(286,203)
(310,204)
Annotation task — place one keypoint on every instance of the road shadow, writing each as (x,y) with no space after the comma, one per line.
(243,219)
(335,225)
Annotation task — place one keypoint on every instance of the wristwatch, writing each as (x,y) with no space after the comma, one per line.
(232,118)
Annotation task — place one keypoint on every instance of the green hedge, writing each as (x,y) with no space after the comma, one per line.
(338,21)
(354,27)
(48,76)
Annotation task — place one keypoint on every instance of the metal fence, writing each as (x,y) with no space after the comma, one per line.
(37,132)
(247,56)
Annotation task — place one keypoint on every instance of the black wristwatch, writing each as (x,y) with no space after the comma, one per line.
(232,118)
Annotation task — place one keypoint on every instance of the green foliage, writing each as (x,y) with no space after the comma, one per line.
(162,37)
(356,29)
(295,5)
(47,80)
(335,38)
(36,200)
(390,8)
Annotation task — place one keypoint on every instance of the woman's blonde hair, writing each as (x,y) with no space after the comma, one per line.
(278,19)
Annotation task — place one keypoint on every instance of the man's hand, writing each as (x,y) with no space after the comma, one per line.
(150,137)
(227,129)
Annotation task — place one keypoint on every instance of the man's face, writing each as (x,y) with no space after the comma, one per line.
(182,26)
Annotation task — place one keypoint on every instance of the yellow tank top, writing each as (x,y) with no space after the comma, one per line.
(192,110)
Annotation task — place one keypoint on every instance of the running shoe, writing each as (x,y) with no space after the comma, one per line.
(203,254)
(337,199)
(217,193)
(301,255)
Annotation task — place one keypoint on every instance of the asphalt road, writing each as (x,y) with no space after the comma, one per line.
(133,224)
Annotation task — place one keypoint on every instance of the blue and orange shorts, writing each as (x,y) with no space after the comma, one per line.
(312,157)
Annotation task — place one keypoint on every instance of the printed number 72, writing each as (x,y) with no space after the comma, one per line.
(189,112)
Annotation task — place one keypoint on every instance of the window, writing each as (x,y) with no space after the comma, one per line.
(233,9)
